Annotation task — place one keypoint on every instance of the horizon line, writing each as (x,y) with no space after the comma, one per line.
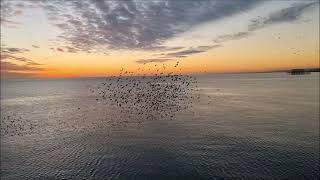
(317,69)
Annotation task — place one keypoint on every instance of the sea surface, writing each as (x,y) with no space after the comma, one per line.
(243,126)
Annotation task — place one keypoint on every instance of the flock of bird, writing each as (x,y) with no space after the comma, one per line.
(159,95)
(13,124)
(149,96)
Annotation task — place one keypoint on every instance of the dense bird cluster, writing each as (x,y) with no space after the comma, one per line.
(159,95)
(13,124)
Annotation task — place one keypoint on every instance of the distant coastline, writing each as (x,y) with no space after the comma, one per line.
(307,70)
(303,71)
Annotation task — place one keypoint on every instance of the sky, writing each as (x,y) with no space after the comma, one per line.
(88,38)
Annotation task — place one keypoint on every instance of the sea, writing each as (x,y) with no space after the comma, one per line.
(242,126)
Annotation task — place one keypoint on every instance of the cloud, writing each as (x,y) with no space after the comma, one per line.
(60,49)
(94,24)
(9,66)
(35,46)
(71,49)
(8,10)
(13,50)
(10,69)
(13,57)
(11,53)
(191,51)
(21,59)
(230,37)
(33,64)
(145,61)
(178,54)
(285,15)
(6,56)
(17,12)
(289,14)
(9,23)
(163,48)
(8,60)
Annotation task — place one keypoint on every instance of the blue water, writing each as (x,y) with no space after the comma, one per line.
(244,126)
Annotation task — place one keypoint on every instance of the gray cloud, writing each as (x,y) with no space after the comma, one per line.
(191,51)
(33,64)
(60,49)
(230,37)
(9,66)
(71,50)
(158,60)
(8,10)
(8,23)
(289,14)
(13,50)
(9,54)
(94,24)
(163,48)
(178,54)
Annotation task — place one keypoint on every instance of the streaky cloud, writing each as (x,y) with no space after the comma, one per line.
(71,49)
(9,66)
(231,37)
(152,60)
(178,54)
(33,64)
(289,14)
(9,58)
(7,53)
(163,48)
(190,51)
(60,49)
(13,50)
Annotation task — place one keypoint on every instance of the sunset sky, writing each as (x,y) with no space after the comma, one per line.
(72,38)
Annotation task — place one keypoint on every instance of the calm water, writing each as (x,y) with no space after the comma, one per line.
(245,126)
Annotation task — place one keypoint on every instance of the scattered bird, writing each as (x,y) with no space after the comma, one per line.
(13,124)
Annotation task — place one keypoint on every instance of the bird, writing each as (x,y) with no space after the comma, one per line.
(13,124)
(149,97)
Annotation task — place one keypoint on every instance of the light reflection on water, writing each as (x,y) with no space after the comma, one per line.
(244,126)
